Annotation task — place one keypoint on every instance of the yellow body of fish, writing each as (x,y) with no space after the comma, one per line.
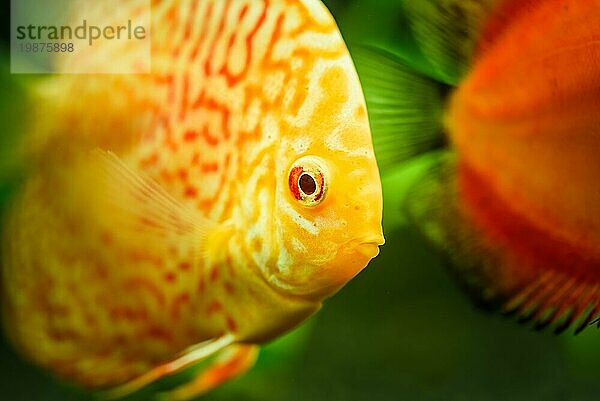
(205,207)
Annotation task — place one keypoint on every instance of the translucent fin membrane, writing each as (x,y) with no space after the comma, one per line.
(504,272)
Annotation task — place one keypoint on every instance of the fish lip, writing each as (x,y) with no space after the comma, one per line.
(378,241)
(369,249)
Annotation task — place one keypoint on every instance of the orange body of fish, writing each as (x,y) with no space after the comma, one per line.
(197,210)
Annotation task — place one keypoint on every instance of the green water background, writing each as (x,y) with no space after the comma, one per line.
(402,330)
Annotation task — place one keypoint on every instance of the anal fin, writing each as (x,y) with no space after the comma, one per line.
(191,356)
(502,259)
(234,361)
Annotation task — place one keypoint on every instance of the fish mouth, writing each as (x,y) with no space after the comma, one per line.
(369,247)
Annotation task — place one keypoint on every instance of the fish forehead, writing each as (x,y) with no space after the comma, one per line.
(238,84)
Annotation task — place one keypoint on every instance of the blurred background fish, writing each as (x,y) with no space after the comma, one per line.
(402,330)
(514,202)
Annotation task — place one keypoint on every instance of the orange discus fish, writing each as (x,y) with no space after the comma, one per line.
(515,202)
(199,210)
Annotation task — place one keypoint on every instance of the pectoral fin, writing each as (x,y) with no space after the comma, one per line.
(137,210)
(405,107)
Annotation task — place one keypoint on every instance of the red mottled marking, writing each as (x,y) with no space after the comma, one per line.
(214,307)
(201,285)
(129,314)
(190,136)
(203,33)
(230,42)
(184,97)
(170,277)
(173,251)
(90,319)
(253,136)
(231,324)
(537,249)
(229,288)
(212,105)
(230,266)
(190,192)
(137,257)
(308,23)
(151,160)
(217,36)
(190,22)
(159,334)
(234,79)
(209,167)
(140,283)
(257,244)
(284,66)
(185,266)
(64,335)
(171,16)
(106,238)
(166,176)
(168,81)
(242,14)
(178,303)
(214,273)
(171,143)
(177,48)
(206,204)
(307,55)
(182,173)
(275,36)
(211,140)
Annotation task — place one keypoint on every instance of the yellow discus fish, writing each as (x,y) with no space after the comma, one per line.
(198,210)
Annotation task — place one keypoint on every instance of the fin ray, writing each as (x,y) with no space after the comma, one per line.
(447,32)
(546,295)
(189,357)
(140,209)
(405,107)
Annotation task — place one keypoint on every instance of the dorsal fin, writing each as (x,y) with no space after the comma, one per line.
(447,32)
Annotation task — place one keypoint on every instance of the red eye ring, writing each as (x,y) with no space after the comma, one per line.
(306,181)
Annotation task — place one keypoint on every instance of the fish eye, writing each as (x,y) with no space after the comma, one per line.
(307,181)
(307,184)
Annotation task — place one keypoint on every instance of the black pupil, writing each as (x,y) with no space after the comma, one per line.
(308,184)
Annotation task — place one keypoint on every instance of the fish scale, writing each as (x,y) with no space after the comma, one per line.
(237,88)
